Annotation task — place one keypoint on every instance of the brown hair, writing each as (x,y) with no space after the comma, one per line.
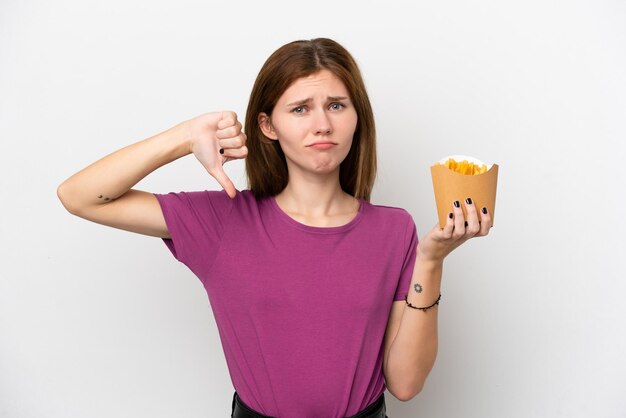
(266,166)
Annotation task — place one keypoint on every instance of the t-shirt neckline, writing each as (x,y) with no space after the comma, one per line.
(319,229)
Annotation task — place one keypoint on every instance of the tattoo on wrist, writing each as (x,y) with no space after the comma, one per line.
(105,198)
(418,288)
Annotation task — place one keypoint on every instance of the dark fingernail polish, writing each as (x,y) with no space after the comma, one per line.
(484,211)
(456,204)
(451,215)
(468,201)
(221,150)
(465,223)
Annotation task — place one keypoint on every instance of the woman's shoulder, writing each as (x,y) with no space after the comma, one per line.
(220,195)
(388,210)
(217,199)
(389,214)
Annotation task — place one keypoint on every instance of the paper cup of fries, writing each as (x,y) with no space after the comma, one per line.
(458,177)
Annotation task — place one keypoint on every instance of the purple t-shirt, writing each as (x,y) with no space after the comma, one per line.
(301,310)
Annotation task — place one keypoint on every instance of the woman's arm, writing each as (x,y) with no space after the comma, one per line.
(102,192)
(411,338)
(410,356)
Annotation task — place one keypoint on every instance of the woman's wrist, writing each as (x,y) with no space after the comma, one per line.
(428,262)
(176,142)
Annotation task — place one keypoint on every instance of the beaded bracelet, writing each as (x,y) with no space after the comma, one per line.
(406,299)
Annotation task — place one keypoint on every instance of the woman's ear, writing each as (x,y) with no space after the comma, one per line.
(266,126)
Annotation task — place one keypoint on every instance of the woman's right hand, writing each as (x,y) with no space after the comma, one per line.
(210,132)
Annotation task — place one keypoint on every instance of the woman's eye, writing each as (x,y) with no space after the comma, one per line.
(336,106)
(298,109)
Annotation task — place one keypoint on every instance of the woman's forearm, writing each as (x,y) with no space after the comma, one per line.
(115,174)
(414,349)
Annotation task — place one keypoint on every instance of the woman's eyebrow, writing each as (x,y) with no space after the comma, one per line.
(299,102)
(309,99)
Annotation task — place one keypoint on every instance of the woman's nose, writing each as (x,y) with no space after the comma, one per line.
(322,124)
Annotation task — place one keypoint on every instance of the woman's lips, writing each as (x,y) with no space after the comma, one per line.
(322,145)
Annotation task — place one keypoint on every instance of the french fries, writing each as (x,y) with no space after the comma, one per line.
(457,177)
(464,167)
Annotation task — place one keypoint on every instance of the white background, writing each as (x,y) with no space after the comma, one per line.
(99,322)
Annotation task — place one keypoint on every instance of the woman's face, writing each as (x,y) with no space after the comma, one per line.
(313,110)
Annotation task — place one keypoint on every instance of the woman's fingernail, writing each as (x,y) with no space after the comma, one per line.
(484,210)
(468,201)
(451,215)
(221,150)
(456,204)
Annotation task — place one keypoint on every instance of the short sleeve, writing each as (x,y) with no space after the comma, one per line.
(195,222)
(408,264)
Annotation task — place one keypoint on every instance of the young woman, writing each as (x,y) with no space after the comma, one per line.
(322,299)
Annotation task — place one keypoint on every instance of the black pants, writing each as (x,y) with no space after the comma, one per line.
(376,409)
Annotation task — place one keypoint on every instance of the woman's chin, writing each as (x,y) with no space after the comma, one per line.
(325,167)
(322,165)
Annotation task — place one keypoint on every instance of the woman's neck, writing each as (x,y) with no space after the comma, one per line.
(322,203)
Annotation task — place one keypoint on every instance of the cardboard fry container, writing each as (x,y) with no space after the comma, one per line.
(450,186)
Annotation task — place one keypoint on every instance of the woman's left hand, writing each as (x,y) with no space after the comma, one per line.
(438,243)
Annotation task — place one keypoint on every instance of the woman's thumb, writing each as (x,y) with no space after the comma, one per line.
(220,175)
